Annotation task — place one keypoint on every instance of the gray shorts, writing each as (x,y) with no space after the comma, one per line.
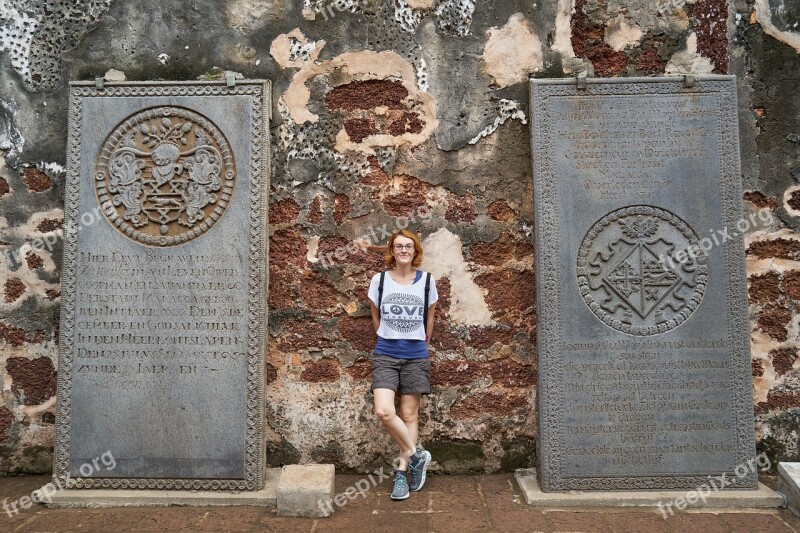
(404,376)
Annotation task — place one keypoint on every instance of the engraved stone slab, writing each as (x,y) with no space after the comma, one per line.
(164,287)
(644,355)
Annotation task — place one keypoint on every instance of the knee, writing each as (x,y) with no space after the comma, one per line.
(409,415)
(384,414)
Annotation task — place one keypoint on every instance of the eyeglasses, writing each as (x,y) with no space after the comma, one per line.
(403,246)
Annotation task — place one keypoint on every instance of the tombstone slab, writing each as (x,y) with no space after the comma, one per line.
(161,362)
(644,355)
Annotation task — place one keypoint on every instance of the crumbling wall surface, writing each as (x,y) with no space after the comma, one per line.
(766,56)
(31,216)
(387,114)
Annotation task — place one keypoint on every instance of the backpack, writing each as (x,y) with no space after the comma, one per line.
(427,290)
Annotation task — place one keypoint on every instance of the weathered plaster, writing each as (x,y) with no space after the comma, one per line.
(507,109)
(763,14)
(113,74)
(36,35)
(455,16)
(689,61)
(407,15)
(512,53)
(313,247)
(621,34)
(788,195)
(361,67)
(655,16)
(445,260)
(31,226)
(247,15)
(294,50)
(562,43)
(422,4)
(329,9)
(16,34)
(11,140)
(32,269)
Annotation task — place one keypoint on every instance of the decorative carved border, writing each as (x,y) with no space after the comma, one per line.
(260,165)
(548,284)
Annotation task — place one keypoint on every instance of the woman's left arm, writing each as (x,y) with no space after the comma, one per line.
(429,325)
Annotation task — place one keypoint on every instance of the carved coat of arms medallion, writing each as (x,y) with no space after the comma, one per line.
(164,176)
(641,270)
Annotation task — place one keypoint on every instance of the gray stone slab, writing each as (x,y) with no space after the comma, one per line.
(761,498)
(306,490)
(161,362)
(74,498)
(789,474)
(644,355)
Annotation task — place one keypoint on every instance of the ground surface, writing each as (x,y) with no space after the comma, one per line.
(447,503)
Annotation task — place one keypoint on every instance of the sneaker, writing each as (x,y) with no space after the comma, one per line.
(400,491)
(417,466)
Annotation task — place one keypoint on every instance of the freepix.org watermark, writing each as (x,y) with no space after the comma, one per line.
(714,484)
(718,237)
(104,462)
(338,6)
(14,258)
(358,489)
(375,235)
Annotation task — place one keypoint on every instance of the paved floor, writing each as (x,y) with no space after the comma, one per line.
(447,503)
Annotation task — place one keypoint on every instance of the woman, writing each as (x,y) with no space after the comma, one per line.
(403,301)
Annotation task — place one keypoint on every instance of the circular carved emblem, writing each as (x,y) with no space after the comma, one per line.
(403,312)
(164,176)
(641,270)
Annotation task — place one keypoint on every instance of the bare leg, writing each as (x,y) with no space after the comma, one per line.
(409,412)
(385,411)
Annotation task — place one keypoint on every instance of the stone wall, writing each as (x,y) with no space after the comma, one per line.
(391,113)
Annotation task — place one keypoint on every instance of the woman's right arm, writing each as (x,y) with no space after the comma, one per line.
(376,319)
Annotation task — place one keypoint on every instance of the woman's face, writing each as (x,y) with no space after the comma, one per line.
(403,250)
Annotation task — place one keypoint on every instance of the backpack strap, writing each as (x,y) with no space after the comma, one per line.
(425,311)
(380,292)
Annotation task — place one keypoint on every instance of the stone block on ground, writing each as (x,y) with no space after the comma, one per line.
(304,490)
(789,474)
